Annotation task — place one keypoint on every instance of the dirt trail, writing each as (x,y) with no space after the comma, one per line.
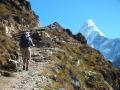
(29,80)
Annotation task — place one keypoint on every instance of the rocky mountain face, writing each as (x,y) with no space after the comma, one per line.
(54,33)
(95,38)
(74,65)
(60,59)
(15,16)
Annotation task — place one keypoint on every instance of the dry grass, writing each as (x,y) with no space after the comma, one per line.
(3,9)
(89,58)
(6,45)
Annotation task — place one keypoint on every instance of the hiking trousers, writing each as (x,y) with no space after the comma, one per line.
(26,53)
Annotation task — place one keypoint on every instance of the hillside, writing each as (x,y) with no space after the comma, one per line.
(15,16)
(75,65)
(60,60)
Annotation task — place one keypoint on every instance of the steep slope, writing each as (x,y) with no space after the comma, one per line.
(15,16)
(74,65)
(95,38)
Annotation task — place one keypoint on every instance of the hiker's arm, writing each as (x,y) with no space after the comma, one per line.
(32,42)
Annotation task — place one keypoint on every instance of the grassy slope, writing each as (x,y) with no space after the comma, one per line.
(84,63)
(6,45)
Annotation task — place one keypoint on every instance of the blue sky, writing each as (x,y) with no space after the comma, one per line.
(74,13)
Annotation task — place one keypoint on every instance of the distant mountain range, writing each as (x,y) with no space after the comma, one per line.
(110,48)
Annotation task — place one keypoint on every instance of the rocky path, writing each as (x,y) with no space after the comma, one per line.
(31,79)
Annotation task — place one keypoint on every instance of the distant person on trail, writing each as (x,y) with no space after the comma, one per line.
(25,44)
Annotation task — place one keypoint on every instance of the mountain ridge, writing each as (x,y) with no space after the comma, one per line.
(108,47)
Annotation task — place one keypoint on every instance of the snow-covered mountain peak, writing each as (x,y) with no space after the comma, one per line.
(92,27)
(110,48)
(90,24)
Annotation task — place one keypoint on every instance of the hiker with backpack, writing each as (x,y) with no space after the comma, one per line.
(25,45)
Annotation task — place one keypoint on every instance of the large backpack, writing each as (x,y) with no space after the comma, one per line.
(25,41)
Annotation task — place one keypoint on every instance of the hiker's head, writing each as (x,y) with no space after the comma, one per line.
(26,33)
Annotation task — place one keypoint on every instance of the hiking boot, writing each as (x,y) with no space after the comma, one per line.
(26,68)
(23,67)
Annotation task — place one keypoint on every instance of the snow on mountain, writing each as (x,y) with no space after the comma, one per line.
(90,31)
(92,26)
(110,48)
